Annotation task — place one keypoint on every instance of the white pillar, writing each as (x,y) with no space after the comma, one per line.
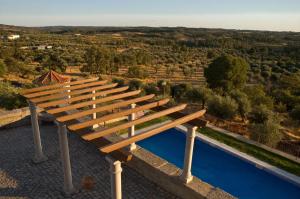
(115,170)
(38,149)
(65,158)
(94,114)
(186,175)
(131,129)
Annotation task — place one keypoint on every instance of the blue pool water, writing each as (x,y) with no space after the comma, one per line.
(221,169)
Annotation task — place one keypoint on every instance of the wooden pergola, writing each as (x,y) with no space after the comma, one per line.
(70,102)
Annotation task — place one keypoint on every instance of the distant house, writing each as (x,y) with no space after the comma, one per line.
(41,47)
(13,37)
(77,34)
(49,47)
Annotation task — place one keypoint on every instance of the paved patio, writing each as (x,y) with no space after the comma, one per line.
(21,178)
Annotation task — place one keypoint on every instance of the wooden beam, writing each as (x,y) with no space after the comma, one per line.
(98,134)
(112,116)
(48,92)
(82,97)
(138,137)
(42,88)
(104,108)
(91,102)
(76,92)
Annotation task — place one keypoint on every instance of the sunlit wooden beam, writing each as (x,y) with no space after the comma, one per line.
(104,108)
(117,115)
(48,92)
(138,137)
(91,102)
(82,97)
(76,92)
(42,88)
(98,134)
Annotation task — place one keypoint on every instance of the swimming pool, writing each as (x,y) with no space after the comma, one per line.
(221,169)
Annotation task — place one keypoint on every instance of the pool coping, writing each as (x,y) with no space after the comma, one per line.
(252,160)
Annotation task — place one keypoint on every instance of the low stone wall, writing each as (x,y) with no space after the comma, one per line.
(9,117)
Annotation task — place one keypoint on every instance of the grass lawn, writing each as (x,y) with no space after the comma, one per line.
(254,151)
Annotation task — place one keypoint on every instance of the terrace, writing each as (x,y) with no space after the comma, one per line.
(88,115)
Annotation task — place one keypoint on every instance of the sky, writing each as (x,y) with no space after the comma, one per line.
(276,15)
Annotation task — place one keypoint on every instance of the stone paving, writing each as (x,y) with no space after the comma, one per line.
(21,178)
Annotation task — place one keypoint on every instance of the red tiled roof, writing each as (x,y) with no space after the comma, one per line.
(51,77)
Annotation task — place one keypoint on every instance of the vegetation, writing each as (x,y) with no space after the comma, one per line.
(223,107)
(227,72)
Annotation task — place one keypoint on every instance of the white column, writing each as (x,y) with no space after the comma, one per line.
(131,129)
(65,158)
(186,175)
(94,114)
(38,149)
(115,170)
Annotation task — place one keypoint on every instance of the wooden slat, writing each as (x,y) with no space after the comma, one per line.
(104,108)
(98,134)
(91,102)
(136,138)
(76,92)
(42,88)
(48,92)
(117,115)
(82,97)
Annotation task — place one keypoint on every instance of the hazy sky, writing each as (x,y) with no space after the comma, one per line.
(237,14)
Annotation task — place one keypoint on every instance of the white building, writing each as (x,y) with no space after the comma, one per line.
(13,37)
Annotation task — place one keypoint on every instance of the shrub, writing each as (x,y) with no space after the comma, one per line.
(151,88)
(260,114)
(3,68)
(223,107)
(137,72)
(244,105)
(199,94)
(179,91)
(119,81)
(9,97)
(267,133)
(295,113)
(164,87)
(135,84)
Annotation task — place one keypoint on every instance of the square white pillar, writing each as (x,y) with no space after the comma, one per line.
(186,175)
(131,130)
(38,149)
(65,158)
(115,170)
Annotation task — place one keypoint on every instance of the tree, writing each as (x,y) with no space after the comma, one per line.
(55,62)
(137,72)
(244,105)
(227,72)
(223,107)
(179,91)
(260,114)
(257,96)
(267,133)
(135,84)
(3,68)
(199,94)
(295,113)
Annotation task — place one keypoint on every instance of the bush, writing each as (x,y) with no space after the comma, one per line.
(137,72)
(199,94)
(135,84)
(164,87)
(9,97)
(260,114)
(223,107)
(119,81)
(179,91)
(295,113)
(267,133)
(244,105)
(151,88)
(3,68)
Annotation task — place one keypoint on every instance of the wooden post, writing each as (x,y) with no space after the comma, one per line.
(38,149)
(186,175)
(131,129)
(115,178)
(65,158)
